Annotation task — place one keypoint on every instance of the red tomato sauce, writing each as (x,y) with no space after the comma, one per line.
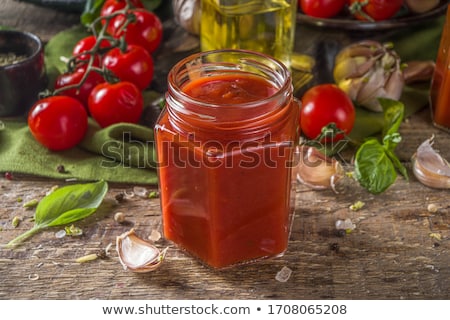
(440,87)
(226,200)
(228,89)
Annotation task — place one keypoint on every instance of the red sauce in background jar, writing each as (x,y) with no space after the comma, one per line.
(225,144)
(440,85)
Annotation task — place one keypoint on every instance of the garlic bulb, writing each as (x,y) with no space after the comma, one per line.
(368,70)
(137,254)
(429,167)
(316,170)
(187,14)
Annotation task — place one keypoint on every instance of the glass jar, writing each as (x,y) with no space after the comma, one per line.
(225,143)
(262,26)
(440,84)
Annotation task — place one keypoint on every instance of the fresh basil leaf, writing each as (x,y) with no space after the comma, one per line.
(376,164)
(393,111)
(91,11)
(64,206)
(392,140)
(93,7)
(59,49)
(151,5)
(69,204)
(71,215)
(397,164)
(373,167)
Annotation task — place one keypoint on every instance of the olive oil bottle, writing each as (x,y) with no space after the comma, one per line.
(266,26)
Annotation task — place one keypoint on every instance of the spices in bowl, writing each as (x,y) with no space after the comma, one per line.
(22,71)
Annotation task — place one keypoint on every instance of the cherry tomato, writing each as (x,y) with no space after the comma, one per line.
(86,44)
(114,103)
(58,122)
(134,65)
(74,78)
(324,104)
(111,6)
(146,31)
(374,9)
(322,8)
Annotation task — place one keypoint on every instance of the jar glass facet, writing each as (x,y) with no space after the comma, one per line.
(225,143)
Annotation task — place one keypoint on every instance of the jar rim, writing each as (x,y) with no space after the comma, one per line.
(245,61)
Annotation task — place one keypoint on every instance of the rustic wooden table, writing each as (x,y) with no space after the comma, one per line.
(398,250)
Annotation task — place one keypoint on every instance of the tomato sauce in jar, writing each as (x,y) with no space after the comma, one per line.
(440,84)
(225,143)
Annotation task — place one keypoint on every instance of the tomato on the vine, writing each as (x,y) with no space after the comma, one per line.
(146,31)
(322,8)
(58,122)
(374,9)
(87,44)
(111,103)
(135,65)
(73,79)
(111,6)
(325,104)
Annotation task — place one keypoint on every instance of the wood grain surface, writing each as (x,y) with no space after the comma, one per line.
(398,250)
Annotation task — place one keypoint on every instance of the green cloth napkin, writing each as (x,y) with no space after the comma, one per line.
(121,153)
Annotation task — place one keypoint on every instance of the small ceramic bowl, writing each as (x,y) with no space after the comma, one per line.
(22,71)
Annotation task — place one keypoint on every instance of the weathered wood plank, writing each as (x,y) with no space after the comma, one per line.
(391,253)
(44,22)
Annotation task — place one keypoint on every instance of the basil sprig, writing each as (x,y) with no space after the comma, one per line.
(376,164)
(64,206)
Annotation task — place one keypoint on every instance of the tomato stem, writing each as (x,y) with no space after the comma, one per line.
(357,8)
(75,61)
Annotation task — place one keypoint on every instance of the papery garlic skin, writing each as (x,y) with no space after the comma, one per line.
(368,70)
(429,167)
(317,171)
(137,254)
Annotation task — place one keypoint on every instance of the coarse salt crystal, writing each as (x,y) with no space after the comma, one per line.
(155,235)
(60,234)
(284,274)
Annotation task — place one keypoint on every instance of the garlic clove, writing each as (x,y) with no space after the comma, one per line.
(373,87)
(394,84)
(352,87)
(137,254)
(316,170)
(429,167)
(353,67)
(416,71)
(366,48)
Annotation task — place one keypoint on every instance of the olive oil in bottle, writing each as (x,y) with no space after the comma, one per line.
(266,26)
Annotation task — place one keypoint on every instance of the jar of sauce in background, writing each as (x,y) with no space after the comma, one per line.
(225,145)
(440,84)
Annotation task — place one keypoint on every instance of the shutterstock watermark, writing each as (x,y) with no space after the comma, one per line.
(182,152)
(128,152)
